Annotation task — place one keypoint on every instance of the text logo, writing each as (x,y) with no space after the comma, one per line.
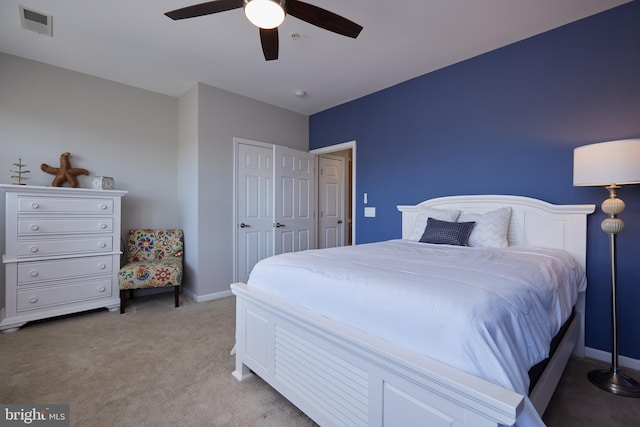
(55,415)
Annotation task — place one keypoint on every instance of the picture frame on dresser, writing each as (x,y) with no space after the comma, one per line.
(62,252)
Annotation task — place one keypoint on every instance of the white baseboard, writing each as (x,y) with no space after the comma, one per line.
(605,356)
(187,292)
(207,297)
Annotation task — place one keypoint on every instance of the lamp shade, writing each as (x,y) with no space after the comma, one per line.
(605,163)
(265,14)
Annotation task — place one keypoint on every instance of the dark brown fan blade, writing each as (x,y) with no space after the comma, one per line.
(269,39)
(322,18)
(205,9)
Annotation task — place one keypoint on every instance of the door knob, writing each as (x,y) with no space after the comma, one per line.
(339,221)
(243,225)
(278,225)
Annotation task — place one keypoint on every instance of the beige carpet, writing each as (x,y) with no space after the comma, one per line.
(161,366)
(155,365)
(578,403)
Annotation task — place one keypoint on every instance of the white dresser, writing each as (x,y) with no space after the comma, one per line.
(62,252)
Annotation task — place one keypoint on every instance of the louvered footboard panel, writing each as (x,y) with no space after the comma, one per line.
(338,388)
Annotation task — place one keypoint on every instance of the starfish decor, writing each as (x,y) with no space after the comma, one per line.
(65,172)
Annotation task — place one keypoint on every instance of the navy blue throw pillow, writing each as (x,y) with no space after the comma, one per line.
(447,233)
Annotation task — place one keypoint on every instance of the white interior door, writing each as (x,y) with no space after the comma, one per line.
(254,206)
(331,202)
(347,150)
(294,200)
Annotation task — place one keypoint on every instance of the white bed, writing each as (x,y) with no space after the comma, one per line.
(342,375)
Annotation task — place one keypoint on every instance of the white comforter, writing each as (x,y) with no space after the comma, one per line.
(489,312)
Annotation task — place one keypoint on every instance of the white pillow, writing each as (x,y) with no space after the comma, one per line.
(421,217)
(491,228)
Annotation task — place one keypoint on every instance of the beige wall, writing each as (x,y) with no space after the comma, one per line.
(221,117)
(174,156)
(109,128)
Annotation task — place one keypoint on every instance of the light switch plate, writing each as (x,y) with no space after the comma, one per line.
(369,212)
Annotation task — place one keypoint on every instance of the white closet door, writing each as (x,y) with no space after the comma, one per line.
(275,203)
(294,200)
(254,198)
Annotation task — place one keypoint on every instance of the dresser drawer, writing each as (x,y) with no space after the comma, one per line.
(65,247)
(42,271)
(37,226)
(68,205)
(34,298)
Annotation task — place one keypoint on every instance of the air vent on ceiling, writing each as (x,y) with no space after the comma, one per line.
(36,21)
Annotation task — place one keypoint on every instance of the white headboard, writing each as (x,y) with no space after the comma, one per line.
(533,222)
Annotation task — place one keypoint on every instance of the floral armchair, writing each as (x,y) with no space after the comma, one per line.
(154,260)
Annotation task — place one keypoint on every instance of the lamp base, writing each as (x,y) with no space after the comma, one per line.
(615,382)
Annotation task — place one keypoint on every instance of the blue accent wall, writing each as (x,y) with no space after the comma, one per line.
(507,122)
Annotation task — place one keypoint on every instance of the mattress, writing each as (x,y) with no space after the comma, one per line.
(489,312)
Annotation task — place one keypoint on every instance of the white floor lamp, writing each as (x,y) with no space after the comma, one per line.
(610,164)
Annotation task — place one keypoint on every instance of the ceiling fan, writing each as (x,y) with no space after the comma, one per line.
(267,15)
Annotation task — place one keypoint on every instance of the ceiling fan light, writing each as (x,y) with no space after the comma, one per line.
(264,14)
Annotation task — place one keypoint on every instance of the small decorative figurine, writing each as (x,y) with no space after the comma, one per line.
(19,173)
(65,172)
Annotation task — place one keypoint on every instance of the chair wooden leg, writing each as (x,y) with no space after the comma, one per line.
(176,295)
(123,297)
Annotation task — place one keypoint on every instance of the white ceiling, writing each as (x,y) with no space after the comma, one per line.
(132,42)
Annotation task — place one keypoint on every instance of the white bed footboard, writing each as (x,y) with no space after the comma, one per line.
(340,376)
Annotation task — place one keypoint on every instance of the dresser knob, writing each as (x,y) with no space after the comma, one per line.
(33,249)
(33,273)
(33,300)
(103,206)
(103,226)
(101,289)
(102,266)
(34,205)
(34,227)
(103,245)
